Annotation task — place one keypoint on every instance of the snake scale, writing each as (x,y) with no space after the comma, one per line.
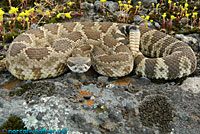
(50,50)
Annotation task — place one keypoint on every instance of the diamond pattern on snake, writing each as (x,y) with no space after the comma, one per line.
(113,49)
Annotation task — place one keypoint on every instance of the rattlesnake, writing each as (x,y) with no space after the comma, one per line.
(48,51)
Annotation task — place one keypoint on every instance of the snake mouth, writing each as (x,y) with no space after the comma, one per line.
(79,64)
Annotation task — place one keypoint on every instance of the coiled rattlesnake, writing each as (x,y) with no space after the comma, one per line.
(47,51)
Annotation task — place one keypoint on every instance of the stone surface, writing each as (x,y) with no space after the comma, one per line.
(186,39)
(106,106)
(191,84)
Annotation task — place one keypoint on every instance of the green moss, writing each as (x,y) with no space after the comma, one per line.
(18,92)
(10,36)
(151,112)
(13,123)
(189,31)
(53,20)
(4,4)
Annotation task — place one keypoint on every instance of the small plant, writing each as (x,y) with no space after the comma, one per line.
(13,123)
(124,11)
(43,12)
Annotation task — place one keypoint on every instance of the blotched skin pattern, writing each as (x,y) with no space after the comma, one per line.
(45,52)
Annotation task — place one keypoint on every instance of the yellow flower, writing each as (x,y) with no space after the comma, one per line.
(68,15)
(130,6)
(127,8)
(147,17)
(143,16)
(151,21)
(31,10)
(120,2)
(187,15)
(13,10)
(1,17)
(164,15)
(195,13)
(186,5)
(70,3)
(19,18)
(48,13)
(157,5)
(9,22)
(1,12)
(125,5)
(173,17)
(139,2)
(27,19)
(22,14)
(103,0)
(195,8)
(129,2)
(27,13)
(137,7)
(58,15)
(169,1)
(36,4)
(54,9)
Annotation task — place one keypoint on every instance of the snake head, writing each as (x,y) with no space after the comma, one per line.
(79,64)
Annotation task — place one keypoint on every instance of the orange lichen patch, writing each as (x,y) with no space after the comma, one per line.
(99,93)
(89,102)
(84,93)
(12,84)
(123,81)
(7,97)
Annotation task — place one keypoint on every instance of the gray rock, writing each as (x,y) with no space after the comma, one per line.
(116,115)
(145,3)
(186,39)
(86,5)
(196,36)
(103,116)
(157,25)
(50,113)
(184,20)
(143,12)
(97,5)
(112,6)
(137,19)
(102,79)
(191,84)
(184,116)
(14,107)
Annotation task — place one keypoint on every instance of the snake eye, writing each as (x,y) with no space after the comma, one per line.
(88,64)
